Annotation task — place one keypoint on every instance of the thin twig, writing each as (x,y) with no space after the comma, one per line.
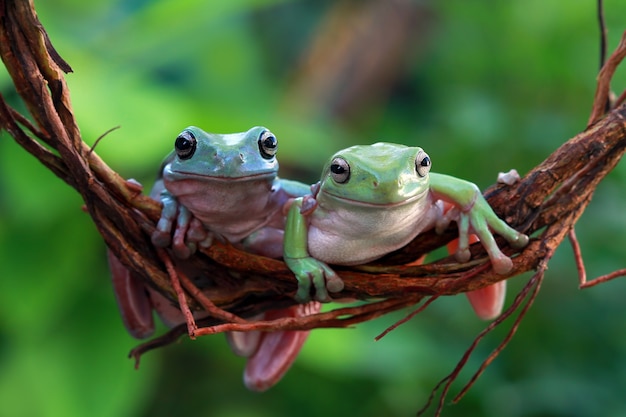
(580,266)
(450,378)
(182,299)
(603,33)
(603,90)
(206,303)
(407,318)
(101,137)
(535,283)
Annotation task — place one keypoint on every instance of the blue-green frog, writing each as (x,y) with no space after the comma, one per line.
(224,187)
(374,199)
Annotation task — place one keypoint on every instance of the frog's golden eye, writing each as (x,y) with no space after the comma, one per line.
(268,144)
(340,170)
(185,145)
(422,164)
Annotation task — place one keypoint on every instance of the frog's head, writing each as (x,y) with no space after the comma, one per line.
(378,174)
(237,156)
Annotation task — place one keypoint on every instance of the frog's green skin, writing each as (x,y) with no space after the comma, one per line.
(372,200)
(225,187)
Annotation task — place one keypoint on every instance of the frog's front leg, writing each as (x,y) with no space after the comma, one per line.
(474,215)
(188,231)
(306,268)
(482,220)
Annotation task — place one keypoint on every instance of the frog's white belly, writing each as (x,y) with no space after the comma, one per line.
(354,236)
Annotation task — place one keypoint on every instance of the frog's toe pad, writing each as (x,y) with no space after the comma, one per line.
(184,251)
(161,239)
(502,265)
(463,255)
(334,284)
(520,242)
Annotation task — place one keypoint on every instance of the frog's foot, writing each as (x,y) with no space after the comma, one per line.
(508,178)
(482,221)
(245,344)
(309,204)
(309,270)
(276,351)
(196,236)
(189,233)
(488,302)
(134,186)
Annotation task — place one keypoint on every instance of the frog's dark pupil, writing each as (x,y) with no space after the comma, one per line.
(337,169)
(425,162)
(185,145)
(270,142)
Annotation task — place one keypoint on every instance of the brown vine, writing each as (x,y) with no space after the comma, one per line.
(546,204)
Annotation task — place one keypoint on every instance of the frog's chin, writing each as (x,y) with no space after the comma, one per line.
(349,201)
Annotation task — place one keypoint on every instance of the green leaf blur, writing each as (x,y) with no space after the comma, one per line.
(483,87)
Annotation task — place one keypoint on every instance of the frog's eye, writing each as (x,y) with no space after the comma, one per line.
(422,164)
(185,145)
(268,144)
(340,170)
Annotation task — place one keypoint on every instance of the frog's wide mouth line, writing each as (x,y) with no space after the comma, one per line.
(360,203)
(178,175)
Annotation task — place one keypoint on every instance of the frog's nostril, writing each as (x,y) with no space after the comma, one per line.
(242,158)
(375,184)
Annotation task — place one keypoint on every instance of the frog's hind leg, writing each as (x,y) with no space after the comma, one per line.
(486,302)
(278,350)
(132,299)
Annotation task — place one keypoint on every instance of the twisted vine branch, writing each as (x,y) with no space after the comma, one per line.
(547,202)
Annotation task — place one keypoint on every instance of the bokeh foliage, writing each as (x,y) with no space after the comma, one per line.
(483,87)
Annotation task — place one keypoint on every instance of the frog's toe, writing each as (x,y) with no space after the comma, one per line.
(196,231)
(463,255)
(502,264)
(334,283)
(184,251)
(303,295)
(161,238)
(321,292)
(520,241)
(207,242)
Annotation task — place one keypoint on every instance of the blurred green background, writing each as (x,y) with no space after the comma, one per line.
(483,86)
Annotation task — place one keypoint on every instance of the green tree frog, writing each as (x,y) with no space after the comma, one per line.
(374,199)
(225,187)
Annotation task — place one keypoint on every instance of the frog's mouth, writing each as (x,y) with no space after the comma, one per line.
(407,200)
(182,175)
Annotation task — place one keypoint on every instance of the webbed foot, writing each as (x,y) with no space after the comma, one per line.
(487,302)
(179,229)
(481,220)
(309,270)
(276,351)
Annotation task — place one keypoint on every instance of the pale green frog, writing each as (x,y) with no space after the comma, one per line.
(374,199)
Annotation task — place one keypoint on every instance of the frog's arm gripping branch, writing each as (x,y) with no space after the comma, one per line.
(306,268)
(473,212)
(547,201)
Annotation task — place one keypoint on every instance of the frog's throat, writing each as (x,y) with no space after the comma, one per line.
(178,175)
(408,200)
